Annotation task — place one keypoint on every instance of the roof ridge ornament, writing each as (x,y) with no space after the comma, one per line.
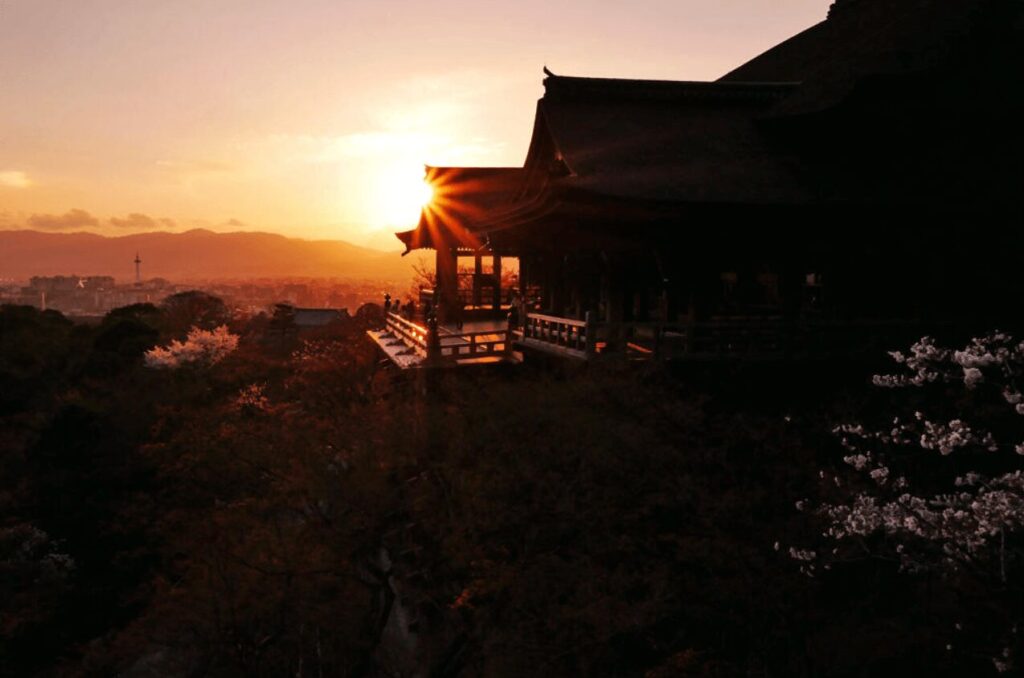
(840,6)
(547,72)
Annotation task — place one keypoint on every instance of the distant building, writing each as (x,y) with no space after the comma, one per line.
(318,317)
(288,319)
(71,283)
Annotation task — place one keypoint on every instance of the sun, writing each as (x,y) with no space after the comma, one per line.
(402,192)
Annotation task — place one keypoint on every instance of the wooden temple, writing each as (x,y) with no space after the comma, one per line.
(860,179)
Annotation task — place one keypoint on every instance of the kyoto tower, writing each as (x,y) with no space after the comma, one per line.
(138,276)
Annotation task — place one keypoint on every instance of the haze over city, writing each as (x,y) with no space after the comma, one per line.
(312,119)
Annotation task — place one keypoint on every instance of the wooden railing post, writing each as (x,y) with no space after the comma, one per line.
(433,339)
(387,308)
(513,322)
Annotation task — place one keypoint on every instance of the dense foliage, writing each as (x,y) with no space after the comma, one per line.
(296,507)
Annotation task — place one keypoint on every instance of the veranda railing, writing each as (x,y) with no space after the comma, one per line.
(763,337)
(442,345)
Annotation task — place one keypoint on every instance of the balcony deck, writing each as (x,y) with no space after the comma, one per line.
(476,342)
(756,339)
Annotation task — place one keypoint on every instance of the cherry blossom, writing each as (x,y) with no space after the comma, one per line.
(201,348)
(930,511)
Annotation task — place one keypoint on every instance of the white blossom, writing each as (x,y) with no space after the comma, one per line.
(201,348)
(947,437)
(802,554)
(858,461)
(972,377)
(965,523)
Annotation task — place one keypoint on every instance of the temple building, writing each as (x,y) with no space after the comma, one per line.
(863,176)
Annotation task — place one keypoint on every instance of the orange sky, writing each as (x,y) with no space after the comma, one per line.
(311,118)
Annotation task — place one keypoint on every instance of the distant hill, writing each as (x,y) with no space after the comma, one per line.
(196,254)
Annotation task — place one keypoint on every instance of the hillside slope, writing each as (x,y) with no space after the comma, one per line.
(196,254)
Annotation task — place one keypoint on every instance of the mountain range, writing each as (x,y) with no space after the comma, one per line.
(193,255)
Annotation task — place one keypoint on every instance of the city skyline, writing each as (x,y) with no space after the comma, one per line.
(312,123)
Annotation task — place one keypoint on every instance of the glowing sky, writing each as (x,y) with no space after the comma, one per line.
(311,117)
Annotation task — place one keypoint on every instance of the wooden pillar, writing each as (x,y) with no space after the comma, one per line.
(523,309)
(447,296)
(557,287)
(478,275)
(590,347)
(617,300)
(523,273)
(496,268)
(543,269)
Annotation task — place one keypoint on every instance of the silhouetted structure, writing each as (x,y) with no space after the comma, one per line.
(290,321)
(860,175)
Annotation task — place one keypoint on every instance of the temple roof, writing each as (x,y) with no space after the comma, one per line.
(462,195)
(866,38)
(880,102)
(667,141)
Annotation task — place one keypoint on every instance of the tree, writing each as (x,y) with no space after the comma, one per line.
(423,278)
(193,308)
(939,488)
(200,348)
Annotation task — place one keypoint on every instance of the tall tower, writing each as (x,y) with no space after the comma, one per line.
(138,275)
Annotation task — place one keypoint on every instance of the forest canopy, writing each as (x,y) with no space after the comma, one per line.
(297,507)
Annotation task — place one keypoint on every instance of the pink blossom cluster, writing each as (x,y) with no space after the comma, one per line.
(964,526)
(998,354)
(923,360)
(201,348)
(947,437)
(963,521)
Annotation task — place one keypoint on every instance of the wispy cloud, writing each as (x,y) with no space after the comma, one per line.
(419,120)
(69,221)
(192,174)
(7,221)
(382,146)
(14,179)
(196,166)
(142,222)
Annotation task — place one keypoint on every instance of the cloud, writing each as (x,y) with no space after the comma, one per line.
(73,219)
(142,222)
(417,147)
(196,166)
(234,223)
(14,179)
